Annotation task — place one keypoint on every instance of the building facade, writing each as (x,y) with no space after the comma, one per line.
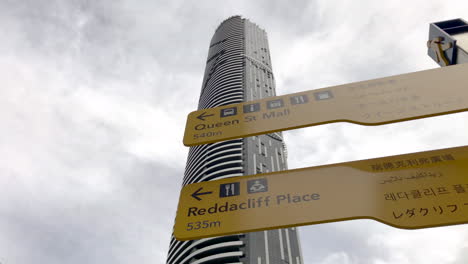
(238,69)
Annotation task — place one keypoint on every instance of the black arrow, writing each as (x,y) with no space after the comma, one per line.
(202,116)
(197,193)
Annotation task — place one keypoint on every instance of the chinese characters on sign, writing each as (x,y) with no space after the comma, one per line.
(389,165)
(429,189)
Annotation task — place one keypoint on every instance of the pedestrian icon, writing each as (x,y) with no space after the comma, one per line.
(257,185)
(275,104)
(249,108)
(229,189)
(231,111)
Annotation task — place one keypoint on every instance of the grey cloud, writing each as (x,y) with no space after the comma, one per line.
(74,191)
(125,223)
(323,241)
(109,40)
(462,256)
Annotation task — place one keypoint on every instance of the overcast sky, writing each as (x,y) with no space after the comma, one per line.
(93,103)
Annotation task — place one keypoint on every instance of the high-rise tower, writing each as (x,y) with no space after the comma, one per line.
(238,69)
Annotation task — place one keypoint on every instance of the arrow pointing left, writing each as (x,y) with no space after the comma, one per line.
(203,116)
(198,193)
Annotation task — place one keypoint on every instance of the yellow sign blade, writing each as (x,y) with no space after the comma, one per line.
(375,102)
(411,191)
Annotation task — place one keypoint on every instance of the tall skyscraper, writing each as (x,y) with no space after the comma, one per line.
(238,69)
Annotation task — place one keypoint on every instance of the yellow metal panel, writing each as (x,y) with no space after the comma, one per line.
(375,102)
(417,190)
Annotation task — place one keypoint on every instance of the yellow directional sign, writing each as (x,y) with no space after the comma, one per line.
(380,101)
(418,190)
